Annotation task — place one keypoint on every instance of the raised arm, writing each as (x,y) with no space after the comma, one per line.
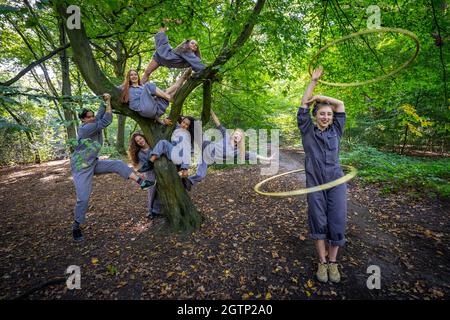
(103,119)
(194,61)
(107,98)
(215,119)
(310,89)
(337,104)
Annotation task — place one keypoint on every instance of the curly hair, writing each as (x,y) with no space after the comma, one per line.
(133,149)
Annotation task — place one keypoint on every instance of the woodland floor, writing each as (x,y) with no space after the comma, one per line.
(249,246)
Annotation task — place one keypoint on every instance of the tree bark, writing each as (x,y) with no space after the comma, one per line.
(180,211)
(120,141)
(69,115)
(404,139)
(206,111)
(119,70)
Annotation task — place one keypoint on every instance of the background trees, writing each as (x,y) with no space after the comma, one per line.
(259,86)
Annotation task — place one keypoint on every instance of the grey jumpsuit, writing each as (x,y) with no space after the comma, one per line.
(327,209)
(166,56)
(154,204)
(178,150)
(217,151)
(85,164)
(143,100)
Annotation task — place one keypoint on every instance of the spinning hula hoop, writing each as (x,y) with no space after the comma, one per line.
(356,34)
(321,187)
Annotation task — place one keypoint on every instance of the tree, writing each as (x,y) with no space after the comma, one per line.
(181,212)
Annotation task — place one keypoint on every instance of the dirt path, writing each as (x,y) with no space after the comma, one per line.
(249,246)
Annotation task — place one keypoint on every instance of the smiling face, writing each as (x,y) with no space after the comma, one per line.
(89,118)
(140,141)
(193,45)
(185,124)
(237,136)
(324,117)
(134,77)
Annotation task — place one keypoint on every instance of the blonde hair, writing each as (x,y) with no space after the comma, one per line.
(240,144)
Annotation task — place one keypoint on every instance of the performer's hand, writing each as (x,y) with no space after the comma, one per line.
(106,97)
(317,73)
(167,122)
(317,98)
(184,173)
(168,20)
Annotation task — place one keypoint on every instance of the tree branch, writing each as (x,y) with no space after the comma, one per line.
(210,72)
(33,64)
(206,111)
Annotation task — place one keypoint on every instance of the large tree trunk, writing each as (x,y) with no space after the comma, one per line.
(180,211)
(119,70)
(69,115)
(120,142)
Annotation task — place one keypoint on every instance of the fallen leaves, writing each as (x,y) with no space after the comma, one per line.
(251,247)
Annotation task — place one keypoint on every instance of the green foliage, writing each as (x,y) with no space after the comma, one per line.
(87,150)
(261,86)
(428,177)
(12,126)
(110,152)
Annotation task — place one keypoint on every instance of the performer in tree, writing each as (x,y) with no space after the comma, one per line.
(230,147)
(85,163)
(148,100)
(327,209)
(138,152)
(178,150)
(186,55)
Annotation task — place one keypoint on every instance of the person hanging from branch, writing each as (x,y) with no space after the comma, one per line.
(139,152)
(327,209)
(148,100)
(85,163)
(230,147)
(185,55)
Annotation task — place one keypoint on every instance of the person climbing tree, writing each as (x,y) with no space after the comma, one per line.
(85,163)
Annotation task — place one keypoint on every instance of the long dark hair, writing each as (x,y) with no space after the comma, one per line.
(191,126)
(133,148)
(126,86)
(184,47)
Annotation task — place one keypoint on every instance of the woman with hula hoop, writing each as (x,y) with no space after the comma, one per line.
(327,209)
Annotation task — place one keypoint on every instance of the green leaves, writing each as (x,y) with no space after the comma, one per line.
(397,172)
(12,126)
